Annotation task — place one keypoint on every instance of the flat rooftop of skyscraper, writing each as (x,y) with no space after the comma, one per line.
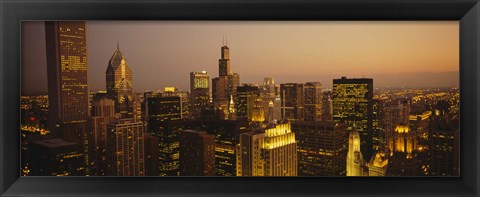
(54,143)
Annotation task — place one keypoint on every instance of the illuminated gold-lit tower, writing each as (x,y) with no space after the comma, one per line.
(355,162)
(378,164)
(119,84)
(269,152)
(403,154)
(66,47)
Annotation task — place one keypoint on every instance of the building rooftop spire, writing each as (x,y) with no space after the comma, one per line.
(118,46)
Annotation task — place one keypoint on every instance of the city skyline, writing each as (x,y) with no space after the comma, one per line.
(253,47)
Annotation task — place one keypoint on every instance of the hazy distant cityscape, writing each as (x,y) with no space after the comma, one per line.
(226,126)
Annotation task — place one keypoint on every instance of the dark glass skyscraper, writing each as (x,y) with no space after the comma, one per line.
(313,101)
(199,93)
(353,105)
(197,153)
(224,87)
(291,95)
(66,45)
(119,84)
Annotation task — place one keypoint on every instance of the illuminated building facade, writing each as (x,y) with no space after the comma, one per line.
(395,115)
(355,162)
(378,164)
(199,92)
(322,148)
(291,95)
(197,153)
(103,113)
(269,93)
(224,87)
(403,153)
(125,149)
(120,85)
(249,104)
(270,152)
(56,157)
(313,101)
(353,105)
(66,47)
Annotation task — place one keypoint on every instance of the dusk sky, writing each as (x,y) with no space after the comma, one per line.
(163,53)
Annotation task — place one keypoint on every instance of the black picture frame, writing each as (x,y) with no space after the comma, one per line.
(14,11)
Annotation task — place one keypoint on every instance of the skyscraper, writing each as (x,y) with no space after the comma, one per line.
(327,106)
(291,95)
(197,153)
(103,113)
(355,161)
(166,106)
(403,153)
(313,101)
(268,152)
(199,93)
(56,157)
(395,115)
(249,104)
(152,160)
(125,149)
(353,105)
(322,148)
(120,85)
(66,47)
(269,93)
(224,87)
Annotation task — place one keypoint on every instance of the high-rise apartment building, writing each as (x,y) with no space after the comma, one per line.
(353,105)
(119,81)
(103,113)
(125,149)
(197,153)
(268,152)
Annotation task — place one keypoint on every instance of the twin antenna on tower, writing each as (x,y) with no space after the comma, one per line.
(224,41)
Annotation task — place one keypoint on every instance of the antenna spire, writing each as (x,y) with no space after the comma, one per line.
(223,40)
(118,46)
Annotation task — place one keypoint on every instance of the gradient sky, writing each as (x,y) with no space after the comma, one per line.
(163,53)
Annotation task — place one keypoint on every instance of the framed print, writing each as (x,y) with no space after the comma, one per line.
(240,98)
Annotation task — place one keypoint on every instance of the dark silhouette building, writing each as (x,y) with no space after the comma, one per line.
(197,153)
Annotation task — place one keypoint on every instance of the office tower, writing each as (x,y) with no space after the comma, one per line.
(403,153)
(197,153)
(269,93)
(224,87)
(378,133)
(137,106)
(103,113)
(355,162)
(166,106)
(120,85)
(444,147)
(327,106)
(268,152)
(352,105)
(291,95)
(249,104)
(125,148)
(322,148)
(313,101)
(56,157)
(199,93)
(395,115)
(420,125)
(151,155)
(66,47)
(378,164)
